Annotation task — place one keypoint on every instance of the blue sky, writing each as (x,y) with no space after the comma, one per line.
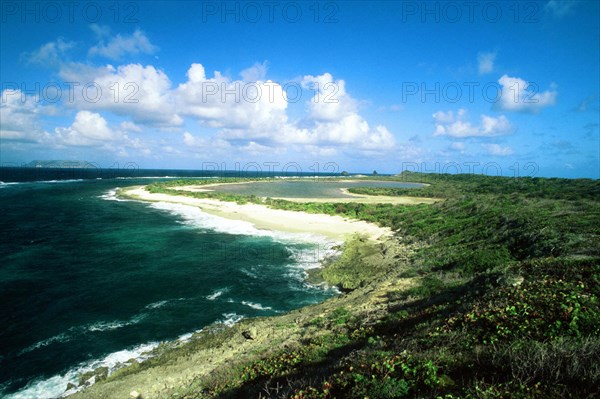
(505,87)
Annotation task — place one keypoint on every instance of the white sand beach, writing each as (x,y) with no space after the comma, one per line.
(262,217)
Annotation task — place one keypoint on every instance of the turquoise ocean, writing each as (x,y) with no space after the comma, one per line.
(90,280)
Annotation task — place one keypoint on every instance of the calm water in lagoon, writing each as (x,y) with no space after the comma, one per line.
(310,188)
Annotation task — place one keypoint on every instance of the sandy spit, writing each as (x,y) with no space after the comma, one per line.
(262,217)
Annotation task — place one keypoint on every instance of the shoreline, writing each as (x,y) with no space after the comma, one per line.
(265,218)
(206,358)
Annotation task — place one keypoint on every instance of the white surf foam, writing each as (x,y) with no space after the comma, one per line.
(98,326)
(157,305)
(55,386)
(186,337)
(163,177)
(63,337)
(217,293)
(114,324)
(303,258)
(59,181)
(256,306)
(106,325)
(249,273)
(195,217)
(111,195)
(230,319)
(7,184)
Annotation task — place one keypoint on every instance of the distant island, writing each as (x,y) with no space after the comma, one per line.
(63,164)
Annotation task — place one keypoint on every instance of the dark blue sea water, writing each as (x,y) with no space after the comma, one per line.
(88,280)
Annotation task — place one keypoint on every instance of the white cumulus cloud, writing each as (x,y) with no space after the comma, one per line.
(458,146)
(256,112)
(255,72)
(119,45)
(456,125)
(520,95)
(88,129)
(141,92)
(560,8)
(20,117)
(248,113)
(334,119)
(497,149)
(220,102)
(485,62)
(49,54)
(330,101)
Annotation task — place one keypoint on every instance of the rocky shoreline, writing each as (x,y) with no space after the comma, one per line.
(219,348)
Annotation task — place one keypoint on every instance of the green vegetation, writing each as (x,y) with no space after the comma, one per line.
(350,270)
(450,186)
(360,262)
(491,293)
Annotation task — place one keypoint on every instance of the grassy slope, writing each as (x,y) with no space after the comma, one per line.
(492,293)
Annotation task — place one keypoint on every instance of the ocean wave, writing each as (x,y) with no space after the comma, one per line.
(59,181)
(230,319)
(113,325)
(63,337)
(54,387)
(72,332)
(14,183)
(217,293)
(106,325)
(256,306)
(156,305)
(303,257)
(186,337)
(248,273)
(162,304)
(161,177)
(8,184)
(195,217)
(311,258)
(111,195)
